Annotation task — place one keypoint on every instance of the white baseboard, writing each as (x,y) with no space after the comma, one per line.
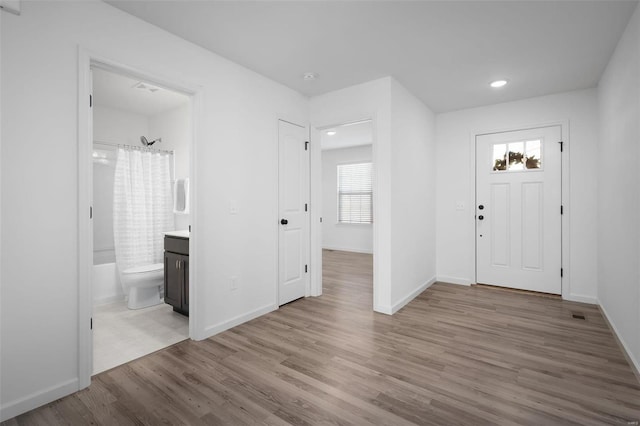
(349,249)
(212,330)
(453,280)
(409,297)
(37,399)
(383,309)
(635,365)
(582,299)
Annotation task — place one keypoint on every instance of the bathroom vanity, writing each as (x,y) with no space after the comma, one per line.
(176,270)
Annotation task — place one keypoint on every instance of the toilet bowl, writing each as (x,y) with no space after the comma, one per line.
(142,285)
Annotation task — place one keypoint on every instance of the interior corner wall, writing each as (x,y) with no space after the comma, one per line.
(455,182)
(174,127)
(354,237)
(237,154)
(362,101)
(618,190)
(413,195)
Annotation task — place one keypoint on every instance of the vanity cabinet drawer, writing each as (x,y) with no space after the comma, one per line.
(176,245)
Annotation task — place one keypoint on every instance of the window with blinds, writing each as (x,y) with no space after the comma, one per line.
(355,193)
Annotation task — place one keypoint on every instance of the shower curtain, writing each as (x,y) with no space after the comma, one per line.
(142,207)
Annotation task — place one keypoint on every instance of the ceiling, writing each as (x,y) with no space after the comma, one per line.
(445,52)
(117,91)
(347,135)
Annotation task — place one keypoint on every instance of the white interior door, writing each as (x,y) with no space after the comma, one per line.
(518,209)
(294,216)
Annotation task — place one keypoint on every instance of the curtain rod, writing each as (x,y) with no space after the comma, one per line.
(139,148)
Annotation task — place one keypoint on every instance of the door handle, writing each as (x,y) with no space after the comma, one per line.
(481,207)
(480,217)
(283,221)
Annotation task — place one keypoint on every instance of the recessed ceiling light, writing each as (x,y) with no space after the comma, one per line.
(498,83)
(331,132)
(308,76)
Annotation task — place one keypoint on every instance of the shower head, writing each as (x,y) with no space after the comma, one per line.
(145,142)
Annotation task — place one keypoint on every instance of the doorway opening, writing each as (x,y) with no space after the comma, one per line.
(141,140)
(347,199)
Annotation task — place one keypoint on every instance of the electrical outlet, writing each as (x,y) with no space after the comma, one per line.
(459,205)
(233,283)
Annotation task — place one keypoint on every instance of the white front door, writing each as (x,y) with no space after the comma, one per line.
(518,209)
(293,206)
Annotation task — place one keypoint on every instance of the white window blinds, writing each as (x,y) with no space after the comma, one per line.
(355,194)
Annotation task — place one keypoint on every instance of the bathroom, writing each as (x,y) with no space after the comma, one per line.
(140,161)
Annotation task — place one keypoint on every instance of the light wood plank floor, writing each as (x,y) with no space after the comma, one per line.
(454,355)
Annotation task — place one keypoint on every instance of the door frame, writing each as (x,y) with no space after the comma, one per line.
(86,60)
(316,199)
(565,280)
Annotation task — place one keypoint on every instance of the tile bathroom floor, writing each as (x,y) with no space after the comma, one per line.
(121,334)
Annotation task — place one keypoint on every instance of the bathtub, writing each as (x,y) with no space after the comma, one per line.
(106,284)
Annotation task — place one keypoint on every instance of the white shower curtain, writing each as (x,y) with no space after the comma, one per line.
(142,207)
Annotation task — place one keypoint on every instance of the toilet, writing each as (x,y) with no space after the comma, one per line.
(142,285)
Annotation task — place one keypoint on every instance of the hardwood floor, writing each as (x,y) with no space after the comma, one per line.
(454,355)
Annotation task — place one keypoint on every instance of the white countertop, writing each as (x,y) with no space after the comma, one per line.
(182,234)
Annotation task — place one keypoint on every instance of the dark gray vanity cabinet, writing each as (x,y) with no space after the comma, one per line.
(176,273)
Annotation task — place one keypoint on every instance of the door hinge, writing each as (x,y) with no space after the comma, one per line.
(306,269)
(561,146)
(90,101)
(90,212)
(91,323)
(305,207)
(561,209)
(561,272)
(306,145)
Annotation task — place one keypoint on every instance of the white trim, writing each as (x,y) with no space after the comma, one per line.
(409,297)
(37,399)
(635,365)
(454,280)
(212,330)
(352,250)
(581,298)
(315,216)
(565,194)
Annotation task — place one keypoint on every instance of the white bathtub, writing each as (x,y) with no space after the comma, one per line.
(106,284)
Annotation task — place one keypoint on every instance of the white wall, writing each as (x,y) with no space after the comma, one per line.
(368,100)
(455,237)
(403,158)
(236,159)
(618,197)
(413,195)
(118,126)
(357,237)
(174,127)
